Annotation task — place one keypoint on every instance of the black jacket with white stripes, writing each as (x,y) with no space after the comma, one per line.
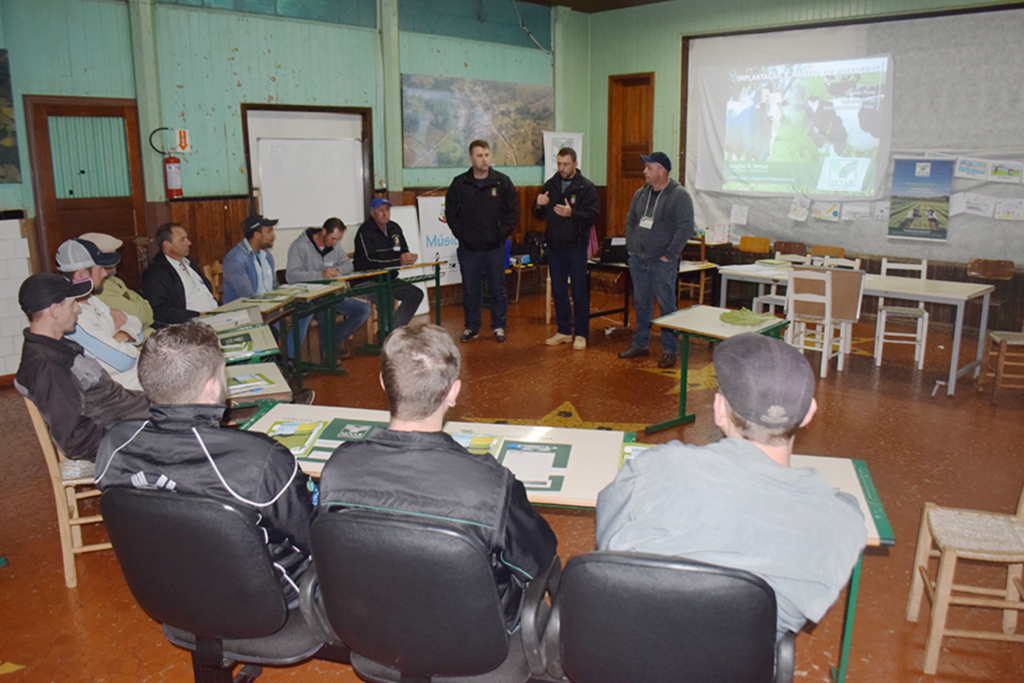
(183,448)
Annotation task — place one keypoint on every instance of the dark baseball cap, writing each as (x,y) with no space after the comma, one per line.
(657,158)
(43,290)
(255,222)
(80,254)
(765,380)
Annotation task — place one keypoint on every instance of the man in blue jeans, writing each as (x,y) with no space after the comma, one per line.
(570,206)
(659,223)
(482,207)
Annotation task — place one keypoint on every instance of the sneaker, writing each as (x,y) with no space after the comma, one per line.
(304,397)
(634,352)
(499,334)
(579,344)
(468,335)
(667,360)
(559,338)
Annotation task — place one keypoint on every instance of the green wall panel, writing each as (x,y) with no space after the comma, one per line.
(494,21)
(459,58)
(90,157)
(211,62)
(74,48)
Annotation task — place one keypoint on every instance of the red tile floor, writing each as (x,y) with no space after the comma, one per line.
(961,451)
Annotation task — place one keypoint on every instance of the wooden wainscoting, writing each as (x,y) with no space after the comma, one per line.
(214,224)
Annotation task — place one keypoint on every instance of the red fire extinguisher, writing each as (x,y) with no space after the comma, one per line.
(172,169)
(172,176)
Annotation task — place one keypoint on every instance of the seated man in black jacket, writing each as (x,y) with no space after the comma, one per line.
(172,284)
(182,448)
(425,472)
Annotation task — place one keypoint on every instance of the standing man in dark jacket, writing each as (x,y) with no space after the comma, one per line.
(76,397)
(414,468)
(182,448)
(172,284)
(569,205)
(482,208)
(659,223)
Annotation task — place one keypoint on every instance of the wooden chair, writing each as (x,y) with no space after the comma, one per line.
(970,535)
(917,314)
(72,481)
(839,262)
(215,274)
(775,298)
(990,272)
(793,248)
(698,285)
(822,304)
(825,250)
(1004,361)
(761,246)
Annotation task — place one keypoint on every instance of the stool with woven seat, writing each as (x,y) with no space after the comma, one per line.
(967,535)
(72,481)
(1004,361)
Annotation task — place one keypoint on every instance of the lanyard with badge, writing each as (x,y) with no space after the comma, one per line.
(648,221)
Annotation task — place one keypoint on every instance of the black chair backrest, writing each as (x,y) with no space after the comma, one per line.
(413,593)
(194,563)
(638,617)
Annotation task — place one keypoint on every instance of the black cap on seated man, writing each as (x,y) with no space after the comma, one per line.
(76,397)
(737,502)
(184,449)
(413,467)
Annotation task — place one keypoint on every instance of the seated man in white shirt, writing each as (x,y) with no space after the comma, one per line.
(172,284)
(107,334)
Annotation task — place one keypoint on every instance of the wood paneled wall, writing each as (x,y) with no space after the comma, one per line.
(214,224)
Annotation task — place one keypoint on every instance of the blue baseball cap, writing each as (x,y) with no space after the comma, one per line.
(379,202)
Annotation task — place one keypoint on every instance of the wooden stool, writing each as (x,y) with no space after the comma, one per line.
(1004,361)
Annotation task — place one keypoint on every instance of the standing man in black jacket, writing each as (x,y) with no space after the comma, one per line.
(183,448)
(482,208)
(569,205)
(415,468)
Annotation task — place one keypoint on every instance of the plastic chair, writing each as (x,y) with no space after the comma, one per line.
(201,568)
(620,617)
(1004,361)
(917,314)
(968,535)
(72,481)
(415,599)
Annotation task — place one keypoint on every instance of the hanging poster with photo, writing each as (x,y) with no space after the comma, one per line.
(919,208)
(554,141)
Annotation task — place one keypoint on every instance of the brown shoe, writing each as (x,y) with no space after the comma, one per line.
(634,352)
(667,360)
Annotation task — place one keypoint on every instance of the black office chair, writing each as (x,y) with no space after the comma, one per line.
(415,599)
(621,617)
(200,568)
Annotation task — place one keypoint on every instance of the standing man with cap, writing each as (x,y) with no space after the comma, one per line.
(249,266)
(115,292)
(570,206)
(109,335)
(172,284)
(659,223)
(76,397)
(737,503)
(381,244)
(482,208)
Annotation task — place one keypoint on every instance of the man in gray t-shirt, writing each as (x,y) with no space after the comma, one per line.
(737,503)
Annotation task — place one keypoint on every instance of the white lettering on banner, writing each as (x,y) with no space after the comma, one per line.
(437,241)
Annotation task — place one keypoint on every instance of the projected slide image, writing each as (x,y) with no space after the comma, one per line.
(815,128)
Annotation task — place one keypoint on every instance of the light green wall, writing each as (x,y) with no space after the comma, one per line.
(210,62)
(74,48)
(461,58)
(571,40)
(649,38)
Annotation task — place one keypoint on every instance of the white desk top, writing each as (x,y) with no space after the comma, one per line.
(704,320)
(558,466)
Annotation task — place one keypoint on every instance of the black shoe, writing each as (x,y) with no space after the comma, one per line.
(468,335)
(667,360)
(304,397)
(634,352)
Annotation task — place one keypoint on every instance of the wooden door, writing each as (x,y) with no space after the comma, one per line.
(87,175)
(630,134)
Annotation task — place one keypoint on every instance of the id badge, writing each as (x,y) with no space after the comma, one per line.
(647,222)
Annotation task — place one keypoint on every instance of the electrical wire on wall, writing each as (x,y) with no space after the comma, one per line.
(536,42)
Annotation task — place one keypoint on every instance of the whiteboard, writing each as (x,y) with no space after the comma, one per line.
(305,182)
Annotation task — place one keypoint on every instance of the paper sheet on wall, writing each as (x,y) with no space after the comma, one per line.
(979,204)
(1004,171)
(1009,209)
(975,169)
(856,211)
(957,204)
(826,211)
(739,214)
(800,208)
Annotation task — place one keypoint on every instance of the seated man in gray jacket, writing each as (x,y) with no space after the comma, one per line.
(315,255)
